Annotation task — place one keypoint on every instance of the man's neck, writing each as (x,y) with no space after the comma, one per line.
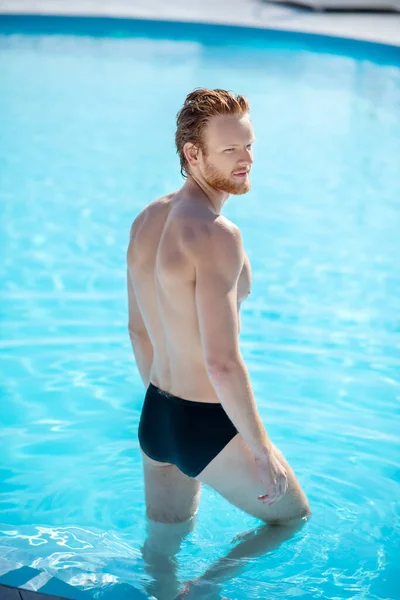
(201,188)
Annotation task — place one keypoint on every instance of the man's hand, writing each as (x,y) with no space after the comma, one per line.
(273,475)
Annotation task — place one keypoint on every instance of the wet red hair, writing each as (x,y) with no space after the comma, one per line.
(199,106)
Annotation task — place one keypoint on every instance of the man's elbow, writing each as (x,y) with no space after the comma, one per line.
(222,367)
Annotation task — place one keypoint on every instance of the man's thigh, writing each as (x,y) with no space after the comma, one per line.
(171,496)
(233,474)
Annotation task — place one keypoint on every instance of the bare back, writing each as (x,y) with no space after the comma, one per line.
(164,282)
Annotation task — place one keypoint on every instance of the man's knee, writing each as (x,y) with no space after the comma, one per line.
(291,510)
(166,537)
(167,517)
(294,518)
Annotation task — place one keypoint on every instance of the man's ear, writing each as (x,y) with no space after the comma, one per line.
(191,152)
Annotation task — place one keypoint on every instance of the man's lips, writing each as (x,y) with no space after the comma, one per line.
(241,173)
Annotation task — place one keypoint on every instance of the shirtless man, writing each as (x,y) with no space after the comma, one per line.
(187,277)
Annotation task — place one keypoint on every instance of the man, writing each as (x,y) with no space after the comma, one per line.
(187,277)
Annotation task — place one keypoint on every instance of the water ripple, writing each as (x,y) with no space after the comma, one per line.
(320,331)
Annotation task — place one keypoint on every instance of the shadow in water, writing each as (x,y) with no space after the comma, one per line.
(164,541)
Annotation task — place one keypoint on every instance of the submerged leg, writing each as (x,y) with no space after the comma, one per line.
(252,544)
(172,500)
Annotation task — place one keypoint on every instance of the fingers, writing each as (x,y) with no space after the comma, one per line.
(276,491)
(267,499)
(270,498)
(283,485)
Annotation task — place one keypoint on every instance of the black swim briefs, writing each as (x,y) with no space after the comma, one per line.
(181,432)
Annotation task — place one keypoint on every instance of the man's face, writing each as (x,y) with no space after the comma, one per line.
(227,157)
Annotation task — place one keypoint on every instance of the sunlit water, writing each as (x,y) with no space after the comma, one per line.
(86,140)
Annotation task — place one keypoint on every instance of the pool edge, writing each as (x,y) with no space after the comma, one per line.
(373,29)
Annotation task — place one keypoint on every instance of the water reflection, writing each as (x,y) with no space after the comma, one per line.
(164,541)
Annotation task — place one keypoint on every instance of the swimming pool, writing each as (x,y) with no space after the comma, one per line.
(86,140)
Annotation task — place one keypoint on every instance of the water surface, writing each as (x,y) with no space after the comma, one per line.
(86,140)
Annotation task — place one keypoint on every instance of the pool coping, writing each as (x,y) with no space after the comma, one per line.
(10,592)
(23,582)
(203,33)
(383,28)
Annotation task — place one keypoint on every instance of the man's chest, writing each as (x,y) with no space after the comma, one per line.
(244,282)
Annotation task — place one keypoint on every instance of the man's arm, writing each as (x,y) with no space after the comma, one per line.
(218,258)
(141,344)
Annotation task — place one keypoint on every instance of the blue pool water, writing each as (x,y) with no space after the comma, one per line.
(86,140)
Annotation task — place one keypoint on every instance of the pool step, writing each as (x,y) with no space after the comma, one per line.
(13,593)
(19,582)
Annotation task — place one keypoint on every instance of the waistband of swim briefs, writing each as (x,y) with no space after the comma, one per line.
(187,403)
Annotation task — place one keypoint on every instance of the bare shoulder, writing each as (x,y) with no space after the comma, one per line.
(152,210)
(211,239)
(146,229)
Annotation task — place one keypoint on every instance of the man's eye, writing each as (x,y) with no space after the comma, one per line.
(229,149)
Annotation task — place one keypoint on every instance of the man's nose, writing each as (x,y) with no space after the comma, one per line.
(247,157)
